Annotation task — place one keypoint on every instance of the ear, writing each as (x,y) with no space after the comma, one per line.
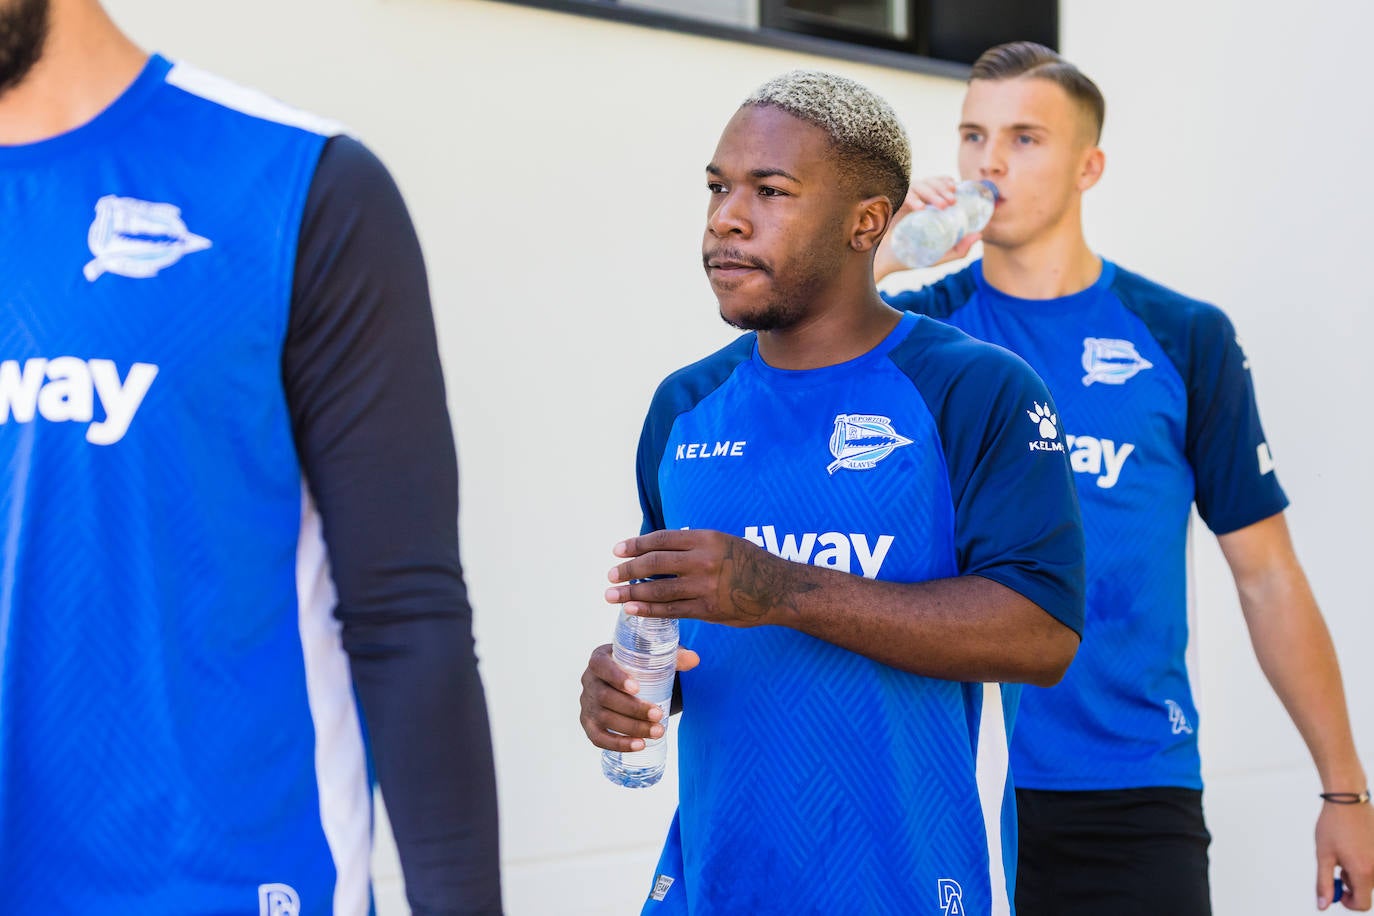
(872,217)
(1094,161)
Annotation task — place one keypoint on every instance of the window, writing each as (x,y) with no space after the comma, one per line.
(934,36)
(861,20)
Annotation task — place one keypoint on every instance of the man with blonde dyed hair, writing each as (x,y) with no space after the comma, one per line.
(1160,412)
(824,509)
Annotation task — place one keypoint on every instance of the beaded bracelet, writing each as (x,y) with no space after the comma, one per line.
(1346,798)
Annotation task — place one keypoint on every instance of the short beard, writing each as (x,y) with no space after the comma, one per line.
(23,32)
(778,315)
(794,298)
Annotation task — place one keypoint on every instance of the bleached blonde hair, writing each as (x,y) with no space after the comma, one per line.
(864,130)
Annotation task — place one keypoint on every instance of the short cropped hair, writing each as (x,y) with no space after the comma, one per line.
(870,142)
(1026,58)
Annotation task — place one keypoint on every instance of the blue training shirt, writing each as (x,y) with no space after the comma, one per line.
(813,779)
(229,521)
(1159,411)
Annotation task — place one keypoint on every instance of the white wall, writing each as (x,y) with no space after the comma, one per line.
(1237,163)
(554,169)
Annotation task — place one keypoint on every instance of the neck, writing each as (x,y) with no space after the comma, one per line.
(832,335)
(1058,264)
(87,63)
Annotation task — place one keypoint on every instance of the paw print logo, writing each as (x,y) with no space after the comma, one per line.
(1048,422)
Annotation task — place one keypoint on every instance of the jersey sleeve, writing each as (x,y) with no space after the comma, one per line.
(940,299)
(366,395)
(1225,442)
(647,458)
(1233,469)
(920,301)
(679,393)
(1016,511)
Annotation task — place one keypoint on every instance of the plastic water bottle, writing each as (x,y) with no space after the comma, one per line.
(924,237)
(646,648)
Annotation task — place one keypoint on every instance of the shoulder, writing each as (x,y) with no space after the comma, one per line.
(1178,322)
(348,169)
(244,104)
(939,299)
(354,224)
(940,357)
(686,387)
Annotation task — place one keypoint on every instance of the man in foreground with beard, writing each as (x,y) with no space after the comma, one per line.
(230,546)
(860,516)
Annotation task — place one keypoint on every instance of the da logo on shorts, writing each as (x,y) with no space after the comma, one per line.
(278,900)
(136,238)
(951,898)
(860,441)
(1111,361)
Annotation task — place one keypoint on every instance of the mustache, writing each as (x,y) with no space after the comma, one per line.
(734,256)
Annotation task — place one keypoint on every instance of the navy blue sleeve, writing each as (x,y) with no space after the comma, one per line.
(939,299)
(647,458)
(1016,511)
(366,394)
(1224,441)
(679,393)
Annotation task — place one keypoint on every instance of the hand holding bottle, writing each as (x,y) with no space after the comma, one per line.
(613,715)
(941,192)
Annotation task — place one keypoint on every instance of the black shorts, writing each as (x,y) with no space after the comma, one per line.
(1127,852)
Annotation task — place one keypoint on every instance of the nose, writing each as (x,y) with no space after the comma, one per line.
(993,163)
(728,215)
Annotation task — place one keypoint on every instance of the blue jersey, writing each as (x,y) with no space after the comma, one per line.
(1159,411)
(813,779)
(214,334)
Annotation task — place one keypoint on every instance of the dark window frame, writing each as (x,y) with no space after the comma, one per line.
(781,15)
(765,37)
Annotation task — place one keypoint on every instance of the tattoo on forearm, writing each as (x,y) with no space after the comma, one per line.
(760,584)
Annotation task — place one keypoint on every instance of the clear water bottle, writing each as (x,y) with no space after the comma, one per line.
(924,237)
(646,648)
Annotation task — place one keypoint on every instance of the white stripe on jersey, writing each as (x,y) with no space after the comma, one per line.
(249,101)
(1192,651)
(991,769)
(340,762)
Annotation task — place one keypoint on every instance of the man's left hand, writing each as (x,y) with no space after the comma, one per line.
(1345,838)
(709,576)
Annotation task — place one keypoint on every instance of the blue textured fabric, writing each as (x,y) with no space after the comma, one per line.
(1159,411)
(813,779)
(157,751)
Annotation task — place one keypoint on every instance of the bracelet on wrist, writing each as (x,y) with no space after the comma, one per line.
(1346,798)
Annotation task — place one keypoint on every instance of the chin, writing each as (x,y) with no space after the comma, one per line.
(741,311)
(1000,238)
(768,317)
(744,319)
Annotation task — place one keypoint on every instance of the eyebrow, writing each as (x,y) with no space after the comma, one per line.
(1023,126)
(714,169)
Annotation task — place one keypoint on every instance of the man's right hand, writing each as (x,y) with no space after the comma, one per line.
(927,192)
(609,704)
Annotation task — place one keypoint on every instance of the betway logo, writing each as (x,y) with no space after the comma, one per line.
(1102,457)
(837,550)
(66,388)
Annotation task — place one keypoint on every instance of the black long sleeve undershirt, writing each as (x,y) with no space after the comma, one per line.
(366,394)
